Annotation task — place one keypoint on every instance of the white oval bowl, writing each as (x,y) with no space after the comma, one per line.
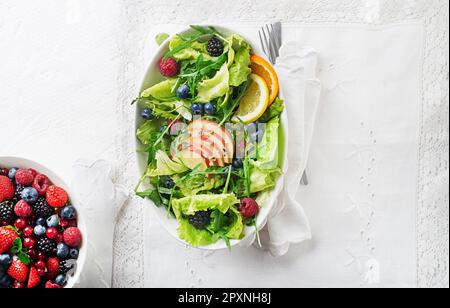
(152,77)
(19,162)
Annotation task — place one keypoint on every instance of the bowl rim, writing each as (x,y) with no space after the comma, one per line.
(261,221)
(16,161)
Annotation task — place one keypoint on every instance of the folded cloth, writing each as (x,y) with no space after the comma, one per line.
(296,68)
(101,201)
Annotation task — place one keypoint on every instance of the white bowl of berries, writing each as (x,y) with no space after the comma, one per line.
(42,233)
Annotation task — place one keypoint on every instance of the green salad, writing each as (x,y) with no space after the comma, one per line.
(210,130)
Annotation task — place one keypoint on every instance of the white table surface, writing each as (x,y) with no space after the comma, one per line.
(69,68)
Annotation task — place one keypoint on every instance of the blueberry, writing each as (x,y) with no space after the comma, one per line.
(41,222)
(184,92)
(61,280)
(210,109)
(68,212)
(197,109)
(147,113)
(12,173)
(5,260)
(39,230)
(168,183)
(238,163)
(30,195)
(73,253)
(62,251)
(53,221)
(5,280)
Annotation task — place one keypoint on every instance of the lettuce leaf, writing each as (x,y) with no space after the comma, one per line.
(236,228)
(162,91)
(199,183)
(267,151)
(188,206)
(146,130)
(215,87)
(165,166)
(275,110)
(262,179)
(196,237)
(240,69)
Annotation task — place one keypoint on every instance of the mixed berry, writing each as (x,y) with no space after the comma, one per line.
(39,238)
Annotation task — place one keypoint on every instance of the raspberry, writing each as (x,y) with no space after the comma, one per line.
(41,184)
(72,237)
(23,209)
(24,177)
(56,196)
(249,208)
(6,189)
(169,67)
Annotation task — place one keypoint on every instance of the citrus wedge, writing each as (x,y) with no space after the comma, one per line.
(264,69)
(254,102)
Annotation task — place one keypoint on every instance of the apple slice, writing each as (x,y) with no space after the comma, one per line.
(192,157)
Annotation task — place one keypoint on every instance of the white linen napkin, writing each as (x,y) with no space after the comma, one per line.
(101,201)
(288,223)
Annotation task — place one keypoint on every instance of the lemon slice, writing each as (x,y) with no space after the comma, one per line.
(254,102)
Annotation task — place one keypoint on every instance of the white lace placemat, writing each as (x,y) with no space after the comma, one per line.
(432,181)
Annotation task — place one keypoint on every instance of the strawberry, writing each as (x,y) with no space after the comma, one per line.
(6,188)
(18,270)
(34,279)
(56,196)
(51,285)
(72,237)
(52,268)
(7,238)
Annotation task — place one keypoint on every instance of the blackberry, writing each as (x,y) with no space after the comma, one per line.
(47,246)
(200,220)
(215,47)
(66,266)
(17,193)
(7,212)
(42,209)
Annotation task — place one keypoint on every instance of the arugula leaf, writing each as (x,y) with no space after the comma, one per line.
(274,111)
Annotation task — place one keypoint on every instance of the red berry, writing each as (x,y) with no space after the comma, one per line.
(72,237)
(41,256)
(20,223)
(56,196)
(23,209)
(28,231)
(64,223)
(7,238)
(17,285)
(249,208)
(40,265)
(34,279)
(169,67)
(29,243)
(52,268)
(6,188)
(24,177)
(51,233)
(18,270)
(41,183)
(59,238)
(32,254)
(51,285)
(41,272)
(4,171)
(33,172)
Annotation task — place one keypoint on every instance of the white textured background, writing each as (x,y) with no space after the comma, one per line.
(68,69)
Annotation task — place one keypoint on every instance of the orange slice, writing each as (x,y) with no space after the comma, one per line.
(266,71)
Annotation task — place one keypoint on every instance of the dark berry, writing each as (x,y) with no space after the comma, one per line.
(18,192)
(46,246)
(39,231)
(30,195)
(61,280)
(62,251)
(183,92)
(12,173)
(40,221)
(5,260)
(215,47)
(68,212)
(197,109)
(200,220)
(66,266)
(210,109)
(238,163)
(147,113)
(168,183)
(73,253)
(42,209)
(7,212)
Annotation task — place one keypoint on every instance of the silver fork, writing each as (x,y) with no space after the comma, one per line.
(271,37)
